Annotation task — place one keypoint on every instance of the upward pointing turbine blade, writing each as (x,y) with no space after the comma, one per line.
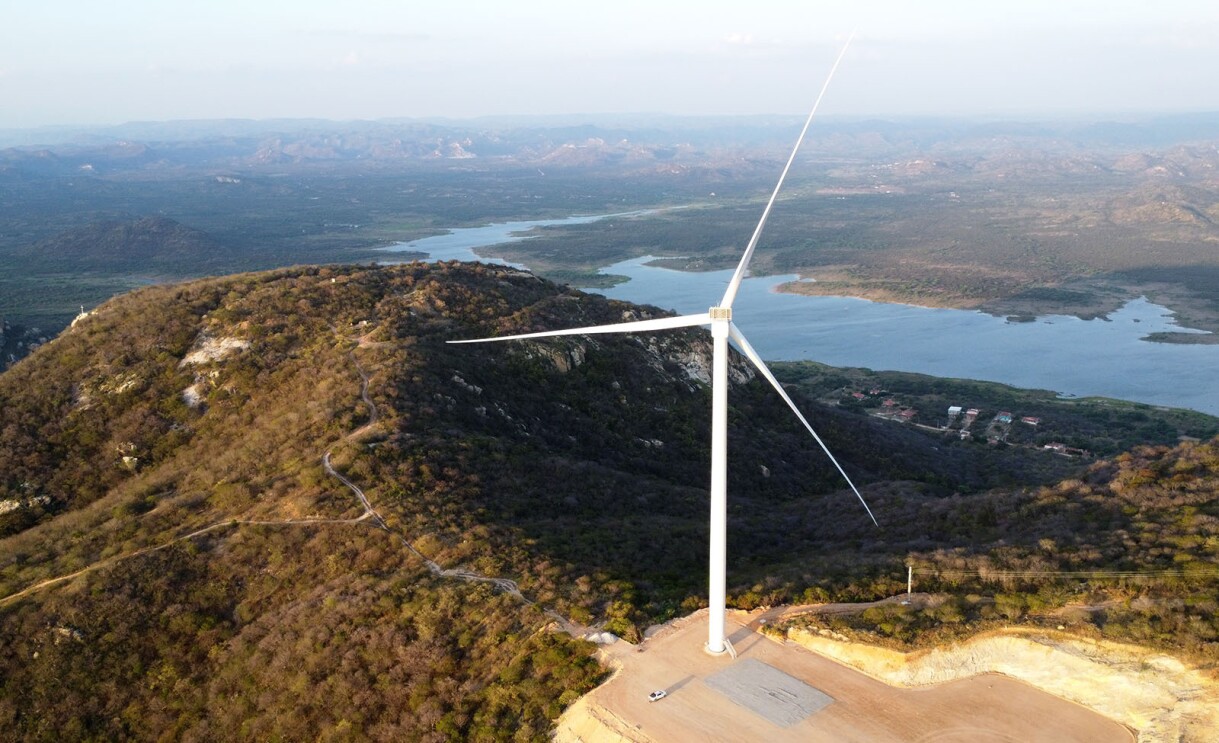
(661,323)
(739,339)
(739,274)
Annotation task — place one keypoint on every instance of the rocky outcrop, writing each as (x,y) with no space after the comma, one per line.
(209,349)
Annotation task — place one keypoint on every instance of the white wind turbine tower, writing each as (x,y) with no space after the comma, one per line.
(722,330)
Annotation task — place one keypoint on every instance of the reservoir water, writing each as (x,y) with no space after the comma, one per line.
(459,244)
(1061,353)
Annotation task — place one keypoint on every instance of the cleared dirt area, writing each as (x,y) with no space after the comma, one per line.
(983,708)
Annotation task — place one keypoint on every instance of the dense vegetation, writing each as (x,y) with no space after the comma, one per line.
(342,631)
(1129,551)
(244,635)
(231,587)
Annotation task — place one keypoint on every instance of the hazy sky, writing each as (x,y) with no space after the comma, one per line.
(86,62)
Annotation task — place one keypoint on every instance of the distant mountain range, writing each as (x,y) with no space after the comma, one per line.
(628,141)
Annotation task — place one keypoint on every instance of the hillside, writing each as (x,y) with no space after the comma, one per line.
(148,245)
(169,459)
(171,446)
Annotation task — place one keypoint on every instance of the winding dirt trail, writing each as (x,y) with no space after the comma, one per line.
(505,585)
(373,414)
(370,513)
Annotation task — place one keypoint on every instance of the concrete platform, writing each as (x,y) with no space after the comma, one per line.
(767,691)
(782,692)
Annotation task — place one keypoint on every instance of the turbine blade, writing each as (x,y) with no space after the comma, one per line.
(640,326)
(739,274)
(742,344)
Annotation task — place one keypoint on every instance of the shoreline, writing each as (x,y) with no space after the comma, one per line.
(1017,311)
(1198,321)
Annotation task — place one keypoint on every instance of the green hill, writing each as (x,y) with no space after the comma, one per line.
(150,245)
(206,577)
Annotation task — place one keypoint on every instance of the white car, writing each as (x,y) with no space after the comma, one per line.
(657,695)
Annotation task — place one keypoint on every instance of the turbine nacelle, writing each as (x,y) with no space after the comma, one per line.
(721,322)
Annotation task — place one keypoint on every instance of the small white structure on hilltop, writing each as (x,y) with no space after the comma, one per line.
(722,331)
(80,317)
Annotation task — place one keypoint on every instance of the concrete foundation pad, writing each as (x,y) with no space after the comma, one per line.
(769,692)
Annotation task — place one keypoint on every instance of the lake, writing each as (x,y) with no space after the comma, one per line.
(459,244)
(1071,356)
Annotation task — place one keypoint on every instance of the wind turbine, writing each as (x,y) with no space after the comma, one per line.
(722,331)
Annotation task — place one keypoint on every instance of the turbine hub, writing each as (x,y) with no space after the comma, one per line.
(720,313)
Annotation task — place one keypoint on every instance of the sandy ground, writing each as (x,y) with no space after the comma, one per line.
(983,708)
